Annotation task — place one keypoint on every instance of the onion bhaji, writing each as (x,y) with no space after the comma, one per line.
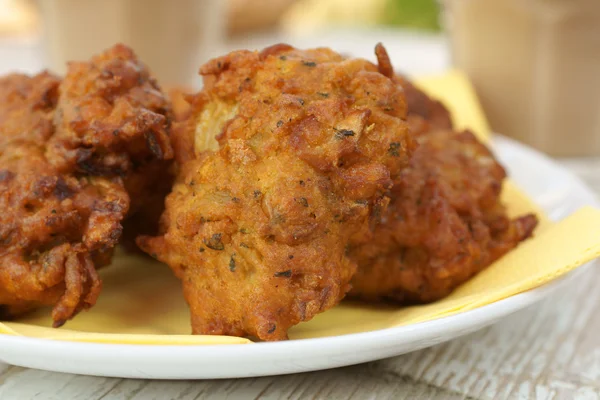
(308,145)
(424,113)
(77,156)
(445,222)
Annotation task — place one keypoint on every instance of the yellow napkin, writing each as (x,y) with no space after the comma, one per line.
(142,302)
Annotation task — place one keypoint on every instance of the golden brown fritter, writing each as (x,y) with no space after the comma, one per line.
(145,220)
(153,186)
(424,113)
(444,224)
(308,146)
(76,157)
(180,102)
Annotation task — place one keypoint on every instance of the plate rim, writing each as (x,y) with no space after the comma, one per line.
(467,321)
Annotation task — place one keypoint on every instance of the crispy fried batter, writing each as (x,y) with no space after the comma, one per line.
(444,224)
(308,145)
(445,221)
(424,113)
(70,151)
(180,102)
(145,220)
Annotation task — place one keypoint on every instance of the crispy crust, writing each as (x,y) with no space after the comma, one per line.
(70,151)
(424,113)
(257,250)
(445,223)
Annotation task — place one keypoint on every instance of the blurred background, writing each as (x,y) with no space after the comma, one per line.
(45,33)
(533,63)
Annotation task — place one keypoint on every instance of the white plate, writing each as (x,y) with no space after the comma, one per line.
(554,188)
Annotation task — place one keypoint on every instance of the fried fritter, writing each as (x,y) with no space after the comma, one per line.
(445,223)
(76,157)
(145,220)
(424,113)
(308,147)
(180,102)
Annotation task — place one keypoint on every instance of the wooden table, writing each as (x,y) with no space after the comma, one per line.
(548,351)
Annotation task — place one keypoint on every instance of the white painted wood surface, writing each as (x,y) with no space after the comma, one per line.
(549,351)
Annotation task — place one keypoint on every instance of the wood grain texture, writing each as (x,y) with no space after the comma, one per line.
(548,351)
(358,382)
